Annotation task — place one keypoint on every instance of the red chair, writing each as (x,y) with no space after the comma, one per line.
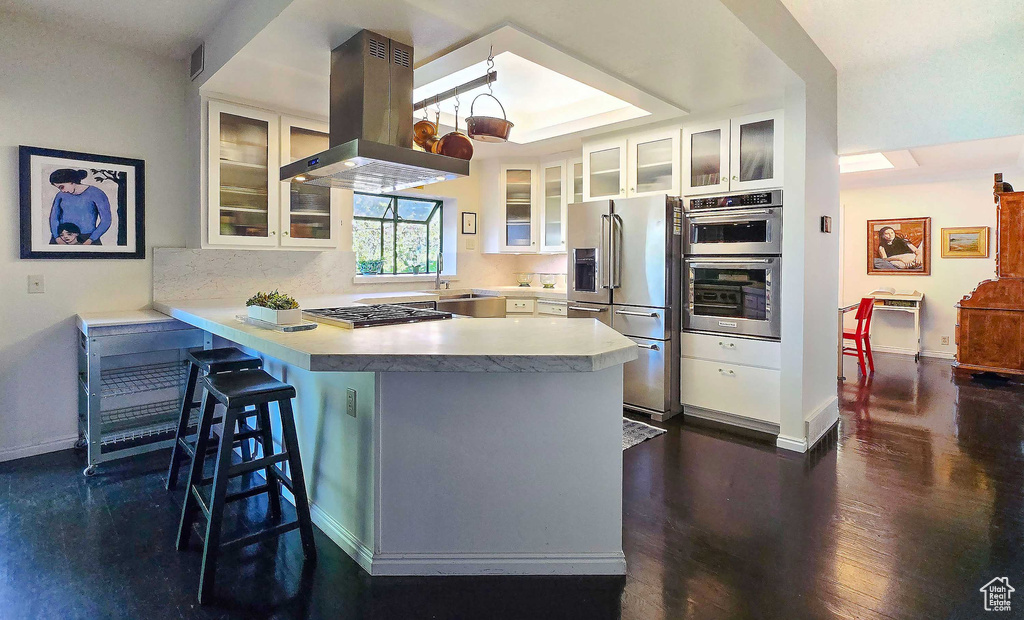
(861,337)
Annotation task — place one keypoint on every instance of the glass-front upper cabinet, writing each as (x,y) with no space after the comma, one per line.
(553,213)
(518,193)
(574,167)
(654,163)
(244,173)
(706,158)
(307,219)
(604,169)
(756,161)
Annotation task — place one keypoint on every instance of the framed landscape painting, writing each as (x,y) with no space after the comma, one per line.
(77,205)
(900,246)
(970,242)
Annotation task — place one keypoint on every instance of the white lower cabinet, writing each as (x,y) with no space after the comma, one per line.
(746,351)
(743,391)
(552,308)
(520,306)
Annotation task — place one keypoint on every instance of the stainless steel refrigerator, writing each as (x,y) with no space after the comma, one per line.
(624,271)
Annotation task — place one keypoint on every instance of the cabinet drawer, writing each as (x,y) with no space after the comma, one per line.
(555,308)
(730,388)
(762,353)
(521,306)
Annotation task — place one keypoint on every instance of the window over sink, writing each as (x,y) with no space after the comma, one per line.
(396,234)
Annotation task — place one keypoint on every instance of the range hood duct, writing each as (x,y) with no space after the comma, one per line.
(371,124)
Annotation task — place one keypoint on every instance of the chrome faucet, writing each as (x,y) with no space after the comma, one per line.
(437,280)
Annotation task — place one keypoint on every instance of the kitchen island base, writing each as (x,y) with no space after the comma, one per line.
(465,473)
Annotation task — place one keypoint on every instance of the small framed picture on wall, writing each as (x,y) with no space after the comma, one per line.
(468,223)
(969,242)
(78,205)
(900,246)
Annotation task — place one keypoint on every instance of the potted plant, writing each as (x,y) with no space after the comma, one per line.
(274,307)
(370,267)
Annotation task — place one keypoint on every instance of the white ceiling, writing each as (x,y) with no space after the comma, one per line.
(942,161)
(168,28)
(856,33)
(693,54)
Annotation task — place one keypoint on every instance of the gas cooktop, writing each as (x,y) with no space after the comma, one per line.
(372,316)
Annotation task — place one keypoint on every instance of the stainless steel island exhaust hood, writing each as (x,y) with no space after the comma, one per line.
(371,124)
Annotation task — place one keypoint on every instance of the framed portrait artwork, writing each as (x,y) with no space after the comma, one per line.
(900,247)
(78,205)
(468,223)
(969,242)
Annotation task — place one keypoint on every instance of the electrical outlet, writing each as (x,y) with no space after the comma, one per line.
(350,402)
(945,340)
(35,284)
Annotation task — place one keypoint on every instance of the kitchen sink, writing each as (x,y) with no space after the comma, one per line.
(471,304)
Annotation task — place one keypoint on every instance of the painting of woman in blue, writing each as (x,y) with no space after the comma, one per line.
(80,213)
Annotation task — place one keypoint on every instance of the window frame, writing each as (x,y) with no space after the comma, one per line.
(394,219)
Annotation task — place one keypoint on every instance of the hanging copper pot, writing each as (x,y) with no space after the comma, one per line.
(488,128)
(455,144)
(424,134)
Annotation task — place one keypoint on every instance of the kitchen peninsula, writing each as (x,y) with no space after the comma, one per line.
(469,446)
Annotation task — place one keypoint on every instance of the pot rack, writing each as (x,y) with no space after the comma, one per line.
(490,78)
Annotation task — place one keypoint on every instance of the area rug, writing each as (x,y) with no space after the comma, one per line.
(634,432)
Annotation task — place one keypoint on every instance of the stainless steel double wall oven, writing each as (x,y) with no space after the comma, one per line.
(732,264)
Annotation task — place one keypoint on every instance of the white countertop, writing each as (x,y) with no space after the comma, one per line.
(460,345)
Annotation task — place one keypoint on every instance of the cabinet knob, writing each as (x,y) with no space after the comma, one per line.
(735,178)
(273,232)
(285,233)
(632,189)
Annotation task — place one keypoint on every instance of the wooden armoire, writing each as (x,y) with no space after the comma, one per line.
(990,320)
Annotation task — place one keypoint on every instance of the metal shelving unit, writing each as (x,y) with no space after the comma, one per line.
(132,376)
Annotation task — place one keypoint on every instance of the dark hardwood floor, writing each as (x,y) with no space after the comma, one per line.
(904,512)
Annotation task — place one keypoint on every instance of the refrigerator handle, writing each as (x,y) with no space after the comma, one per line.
(603,270)
(616,278)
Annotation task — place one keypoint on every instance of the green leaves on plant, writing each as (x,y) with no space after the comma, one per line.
(273,300)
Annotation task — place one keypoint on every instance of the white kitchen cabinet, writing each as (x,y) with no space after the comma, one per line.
(244,175)
(520,306)
(604,169)
(552,308)
(706,158)
(743,391)
(518,189)
(719,348)
(554,206)
(652,163)
(736,155)
(756,160)
(574,170)
(307,215)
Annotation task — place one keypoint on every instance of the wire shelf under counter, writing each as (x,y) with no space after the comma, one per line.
(146,378)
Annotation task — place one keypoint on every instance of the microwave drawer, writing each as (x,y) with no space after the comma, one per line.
(747,351)
(743,391)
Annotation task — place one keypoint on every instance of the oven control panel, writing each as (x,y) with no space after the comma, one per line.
(770,198)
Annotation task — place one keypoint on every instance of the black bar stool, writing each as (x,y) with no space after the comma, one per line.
(236,391)
(211,361)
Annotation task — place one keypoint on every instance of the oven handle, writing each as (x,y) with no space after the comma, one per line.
(729,261)
(719,215)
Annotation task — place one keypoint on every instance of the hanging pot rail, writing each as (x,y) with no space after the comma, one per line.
(462,88)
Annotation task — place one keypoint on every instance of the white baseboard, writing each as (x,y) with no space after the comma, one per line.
(793,444)
(821,420)
(348,542)
(905,351)
(421,564)
(20,452)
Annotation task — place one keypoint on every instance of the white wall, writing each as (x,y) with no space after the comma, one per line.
(965,200)
(62,92)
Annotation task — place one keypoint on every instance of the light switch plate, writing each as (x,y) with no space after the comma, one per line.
(35,284)
(470,243)
(350,402)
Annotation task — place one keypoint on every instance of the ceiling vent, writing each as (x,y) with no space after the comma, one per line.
(197,62)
